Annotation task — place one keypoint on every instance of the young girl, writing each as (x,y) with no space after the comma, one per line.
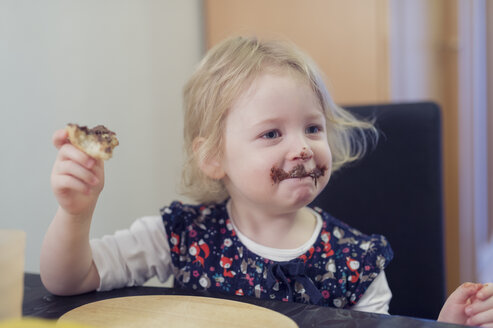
(262,138)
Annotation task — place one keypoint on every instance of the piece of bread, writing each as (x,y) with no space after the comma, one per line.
(97,142)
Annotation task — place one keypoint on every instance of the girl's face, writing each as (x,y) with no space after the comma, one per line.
(276,152)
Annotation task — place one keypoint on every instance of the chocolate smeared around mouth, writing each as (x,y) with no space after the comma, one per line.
(278,174)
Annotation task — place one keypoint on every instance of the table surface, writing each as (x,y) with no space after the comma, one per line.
(38,302)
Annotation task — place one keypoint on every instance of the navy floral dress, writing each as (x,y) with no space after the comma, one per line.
(207,255)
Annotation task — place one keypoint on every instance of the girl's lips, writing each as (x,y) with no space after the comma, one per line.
(278,174)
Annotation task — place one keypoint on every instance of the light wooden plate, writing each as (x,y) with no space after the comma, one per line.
(175,311)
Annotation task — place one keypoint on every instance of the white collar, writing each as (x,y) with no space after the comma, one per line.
(277,254)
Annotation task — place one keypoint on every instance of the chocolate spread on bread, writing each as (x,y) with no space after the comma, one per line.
(97,142)
(101,132)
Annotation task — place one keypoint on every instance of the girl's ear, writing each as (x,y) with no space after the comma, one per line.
(211,166)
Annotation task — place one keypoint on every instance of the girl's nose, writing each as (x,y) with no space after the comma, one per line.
(304,154)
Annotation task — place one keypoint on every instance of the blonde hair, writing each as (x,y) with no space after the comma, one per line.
(226,71)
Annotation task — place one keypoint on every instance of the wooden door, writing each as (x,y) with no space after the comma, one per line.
(349,40)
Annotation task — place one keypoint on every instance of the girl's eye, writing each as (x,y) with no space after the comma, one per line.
(271,134)
(313,129)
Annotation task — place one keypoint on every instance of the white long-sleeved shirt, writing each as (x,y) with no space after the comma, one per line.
(131,257)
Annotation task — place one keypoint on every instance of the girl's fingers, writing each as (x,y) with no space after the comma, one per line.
(481,318)
(77,171)
(65,183)
(463,293)
(70,152)
(483,300)
(485,292)
(60,137)
(479,306)
(488,325)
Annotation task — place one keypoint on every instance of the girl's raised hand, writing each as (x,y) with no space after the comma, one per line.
(76,178)
(480,311)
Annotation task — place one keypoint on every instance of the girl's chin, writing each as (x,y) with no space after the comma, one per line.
(301,191)
(300,194)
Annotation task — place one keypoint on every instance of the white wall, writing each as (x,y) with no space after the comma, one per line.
(415,47)
(121,63)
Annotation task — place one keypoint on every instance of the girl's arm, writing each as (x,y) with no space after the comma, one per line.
(66,259)
(131,256)
(376,298)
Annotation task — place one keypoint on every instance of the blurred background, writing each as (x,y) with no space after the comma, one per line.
(123,64)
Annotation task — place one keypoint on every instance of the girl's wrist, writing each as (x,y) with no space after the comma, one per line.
(82,218)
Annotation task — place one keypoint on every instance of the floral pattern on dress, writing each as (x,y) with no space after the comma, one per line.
(207,255)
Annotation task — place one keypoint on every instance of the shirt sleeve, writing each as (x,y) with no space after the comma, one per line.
(376,298)
(130,257)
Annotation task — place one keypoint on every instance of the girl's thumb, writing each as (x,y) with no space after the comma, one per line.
(59,138)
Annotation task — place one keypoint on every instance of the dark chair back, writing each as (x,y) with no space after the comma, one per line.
(396,191)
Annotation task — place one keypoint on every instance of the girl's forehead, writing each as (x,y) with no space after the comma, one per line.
(255,83)
(271,93)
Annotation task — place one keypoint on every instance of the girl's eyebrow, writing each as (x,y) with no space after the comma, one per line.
(278,119)
(267,121)
(315,116)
